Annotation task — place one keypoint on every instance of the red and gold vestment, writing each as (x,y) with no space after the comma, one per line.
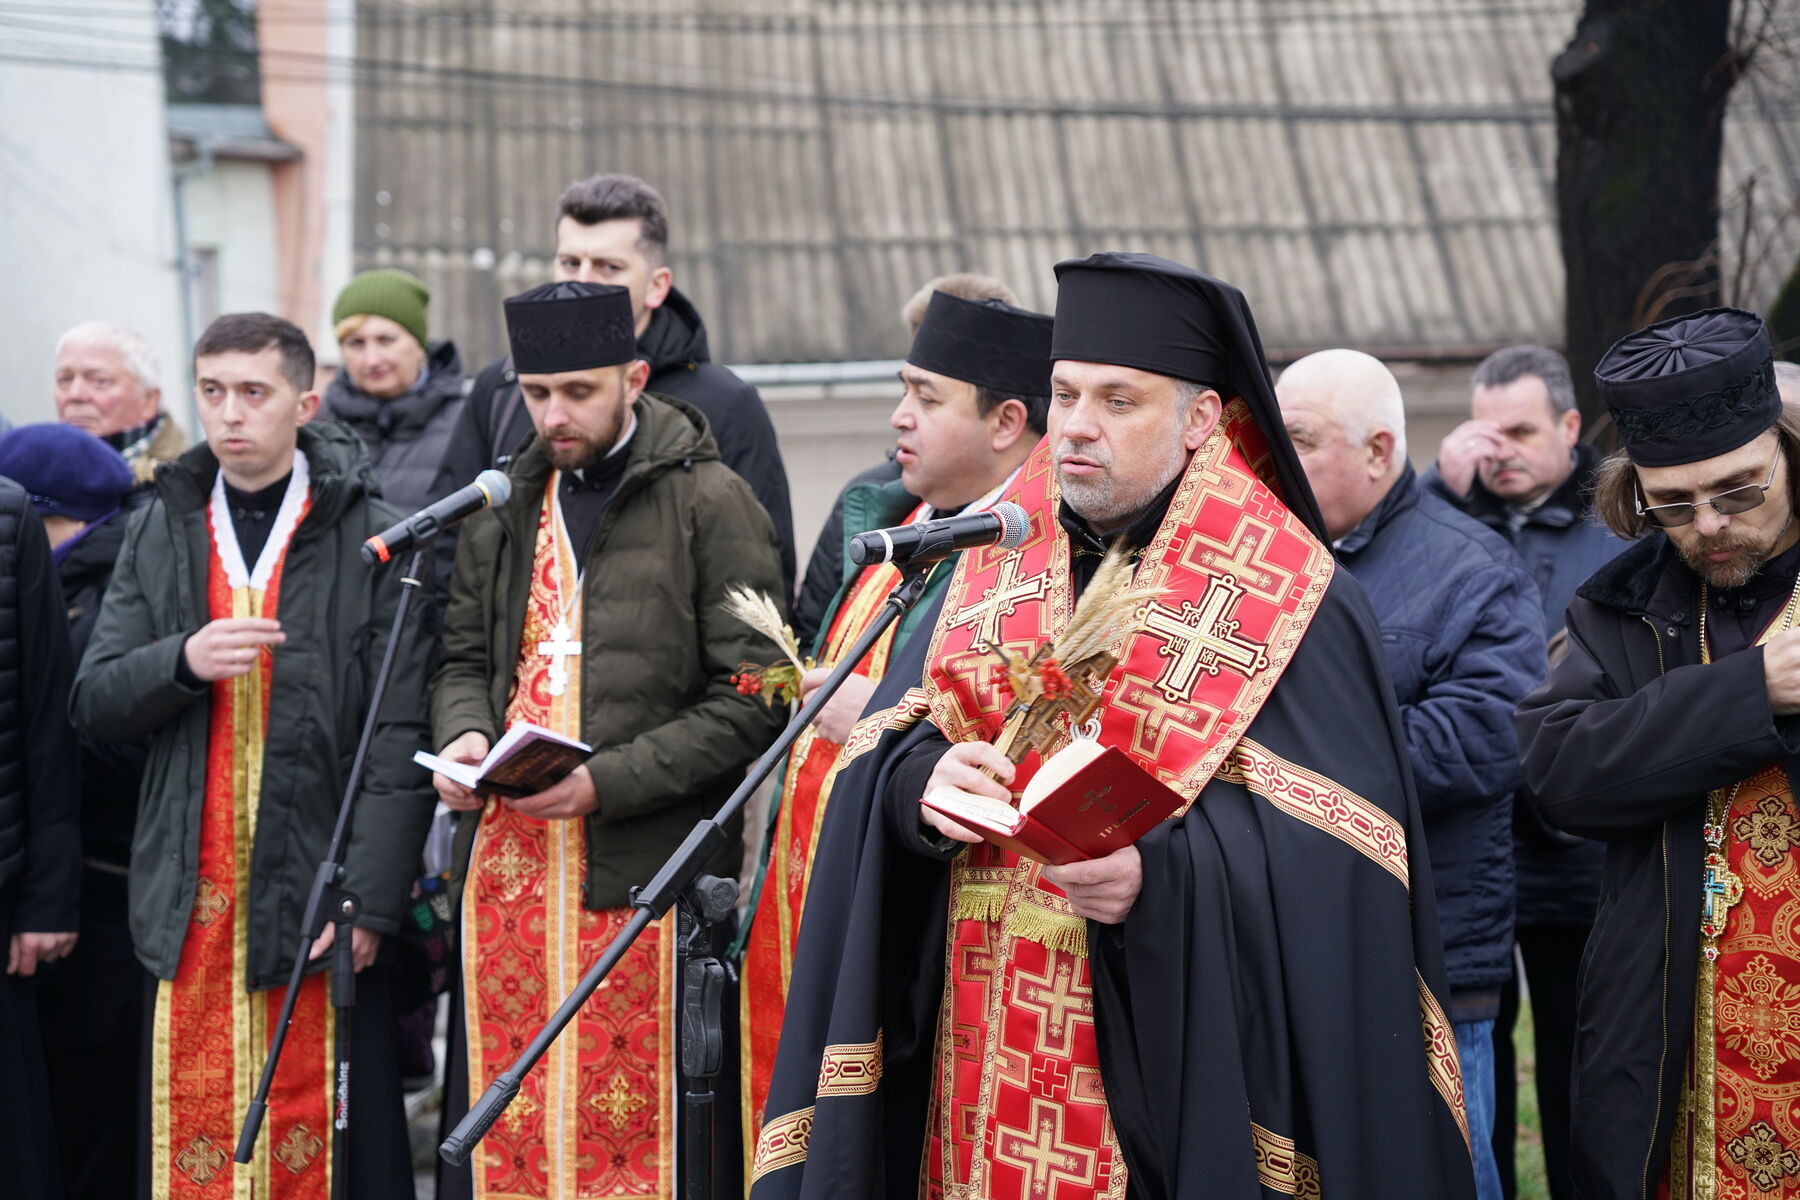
(592,1118)
(1019,1109)
(209,1035)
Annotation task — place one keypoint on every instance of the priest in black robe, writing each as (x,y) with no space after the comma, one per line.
(1671,731)
(1249,1002)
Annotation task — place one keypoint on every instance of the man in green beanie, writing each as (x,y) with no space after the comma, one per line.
(400,392)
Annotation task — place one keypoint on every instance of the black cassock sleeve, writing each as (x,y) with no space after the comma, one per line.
(1272,973)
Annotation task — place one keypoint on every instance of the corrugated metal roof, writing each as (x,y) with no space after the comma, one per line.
(1374,173)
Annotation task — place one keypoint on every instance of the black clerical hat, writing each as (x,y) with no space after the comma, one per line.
(987,343)
(1692,387)
(1148,312)
(570,327)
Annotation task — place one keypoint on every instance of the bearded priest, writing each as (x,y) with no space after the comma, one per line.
(592,604)
(1670,732)
(1247,1002)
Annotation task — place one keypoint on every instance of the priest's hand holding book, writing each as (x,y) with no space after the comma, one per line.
(535,772)
(975,775)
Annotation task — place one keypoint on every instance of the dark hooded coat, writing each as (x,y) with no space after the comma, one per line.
(1622,743)
(407,436)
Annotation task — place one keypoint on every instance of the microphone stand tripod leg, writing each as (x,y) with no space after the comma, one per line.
(704,903)
(343,1010)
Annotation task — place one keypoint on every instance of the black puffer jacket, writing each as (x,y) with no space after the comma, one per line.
(336,614)
(40,839)
(405,437)
(494,423)
(110,771)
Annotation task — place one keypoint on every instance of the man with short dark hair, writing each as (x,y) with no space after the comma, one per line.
(975,390)
(1519,467)
(614,229)
(824,570)
(1670,731)
(239,636)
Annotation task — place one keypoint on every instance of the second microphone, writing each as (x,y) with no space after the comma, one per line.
(1005,525)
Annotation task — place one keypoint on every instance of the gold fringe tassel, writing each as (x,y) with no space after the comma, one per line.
(1057,931)
(978,902)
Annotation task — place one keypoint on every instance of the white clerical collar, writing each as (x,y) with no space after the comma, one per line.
(618,446)
(231,555)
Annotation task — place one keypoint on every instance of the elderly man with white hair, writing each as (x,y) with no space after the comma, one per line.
(108,383)
(1463,634)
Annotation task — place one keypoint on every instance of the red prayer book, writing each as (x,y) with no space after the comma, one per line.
(1086,801)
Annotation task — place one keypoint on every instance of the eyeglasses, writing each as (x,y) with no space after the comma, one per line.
(1737,500)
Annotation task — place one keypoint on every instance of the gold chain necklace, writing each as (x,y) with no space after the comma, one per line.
(1720,887)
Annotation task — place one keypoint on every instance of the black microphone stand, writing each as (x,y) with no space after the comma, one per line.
(329,902)
(704,900)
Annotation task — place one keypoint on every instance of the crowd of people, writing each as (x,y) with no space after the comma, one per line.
(1512,730)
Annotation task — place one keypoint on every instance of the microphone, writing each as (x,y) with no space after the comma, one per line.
(490,488)
(1005,524)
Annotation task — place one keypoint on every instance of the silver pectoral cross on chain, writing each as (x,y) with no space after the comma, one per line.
(559,649)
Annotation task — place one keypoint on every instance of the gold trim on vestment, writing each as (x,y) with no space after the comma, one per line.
(1322,803)
(1696,1176)
(914,707)
(783,1142)
(1442,1065)
(852,1069)
(1281,1167)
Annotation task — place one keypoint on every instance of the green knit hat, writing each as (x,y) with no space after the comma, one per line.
(386,293)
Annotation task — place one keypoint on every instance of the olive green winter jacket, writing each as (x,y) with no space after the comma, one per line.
(335,613)
(671,734)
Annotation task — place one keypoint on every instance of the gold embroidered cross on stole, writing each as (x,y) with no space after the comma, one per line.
(560,648)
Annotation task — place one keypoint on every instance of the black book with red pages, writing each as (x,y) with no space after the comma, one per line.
(1086,801)
(527,759)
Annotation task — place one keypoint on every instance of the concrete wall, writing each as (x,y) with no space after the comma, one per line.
(86,226)
(231,212)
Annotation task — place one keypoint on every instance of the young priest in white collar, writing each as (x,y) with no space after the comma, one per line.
(239,635)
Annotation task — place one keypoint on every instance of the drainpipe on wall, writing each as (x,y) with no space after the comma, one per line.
(189,269)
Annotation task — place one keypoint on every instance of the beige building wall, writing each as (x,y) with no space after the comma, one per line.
(310,106)
(86,211)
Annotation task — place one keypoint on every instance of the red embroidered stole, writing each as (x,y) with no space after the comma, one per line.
(811,768)
(1737,1132)
(210,1036)
(592,1119)
(1019,1109)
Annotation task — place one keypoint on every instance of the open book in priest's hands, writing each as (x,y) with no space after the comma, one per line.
(527,759)
(1086,801)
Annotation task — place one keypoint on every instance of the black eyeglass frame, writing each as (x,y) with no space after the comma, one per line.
(1753,493)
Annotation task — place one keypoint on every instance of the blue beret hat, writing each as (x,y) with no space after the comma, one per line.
(68,472)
